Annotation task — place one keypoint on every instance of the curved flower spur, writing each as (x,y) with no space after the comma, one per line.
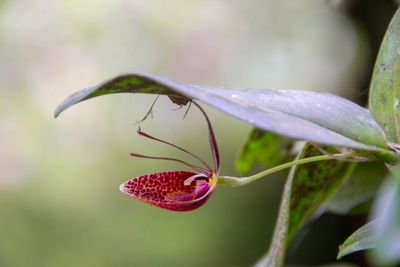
(177,190)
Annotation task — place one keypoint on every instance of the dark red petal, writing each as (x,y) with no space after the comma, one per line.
(213,140)
(168,191)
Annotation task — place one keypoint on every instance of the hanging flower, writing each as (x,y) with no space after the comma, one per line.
(177,190)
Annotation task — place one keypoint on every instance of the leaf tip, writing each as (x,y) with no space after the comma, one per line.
(340,254)
(57,112)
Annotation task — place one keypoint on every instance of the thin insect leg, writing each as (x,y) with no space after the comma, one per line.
(150,112)
(187,110)
(140,132)
(213,141)
(196,168)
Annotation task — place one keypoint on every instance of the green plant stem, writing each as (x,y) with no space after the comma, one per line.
(240,181)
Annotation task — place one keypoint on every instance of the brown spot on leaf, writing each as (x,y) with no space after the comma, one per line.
(383,99)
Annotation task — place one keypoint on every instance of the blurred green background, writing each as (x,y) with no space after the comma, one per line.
(59,199)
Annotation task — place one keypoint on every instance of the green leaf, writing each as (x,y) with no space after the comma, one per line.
(384,94)
(314,185)
(359,188)
(387,228)
(263,147)
(275,255)
(363,238)
(305,115)
(306,190)
(383,233)
(126,83)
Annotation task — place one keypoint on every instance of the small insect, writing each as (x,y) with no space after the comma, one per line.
(180,101)
(177,190)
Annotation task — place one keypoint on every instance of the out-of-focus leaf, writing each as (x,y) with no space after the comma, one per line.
(336,264)
(387,227)
(339,264)
(363,238)
(384,95)
(305,115)
(314,185)
(275,255)
(359,188)
(308,187)
(263,147)
(383,233)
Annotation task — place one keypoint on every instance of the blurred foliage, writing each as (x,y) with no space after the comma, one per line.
(265,148)
(59,200)
(385,83)
(361,187)
(386,229)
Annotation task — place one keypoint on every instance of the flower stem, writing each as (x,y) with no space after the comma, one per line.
(240,181)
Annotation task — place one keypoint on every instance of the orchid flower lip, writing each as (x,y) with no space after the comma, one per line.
(185,198)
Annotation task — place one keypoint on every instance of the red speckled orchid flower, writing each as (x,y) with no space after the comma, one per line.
(177,190)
